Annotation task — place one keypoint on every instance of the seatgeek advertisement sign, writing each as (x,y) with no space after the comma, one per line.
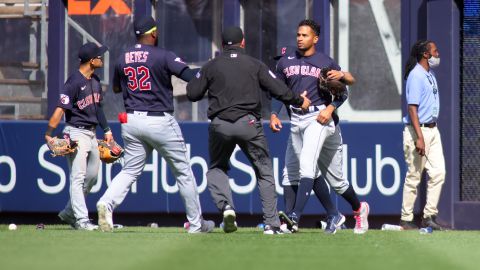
(31,180)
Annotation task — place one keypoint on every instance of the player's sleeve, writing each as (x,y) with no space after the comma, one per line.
(413,89)
(269,82)
(67,96)
(101,118)
(276,107)
(188,74)
(340,99)
(175,64)
(198,85)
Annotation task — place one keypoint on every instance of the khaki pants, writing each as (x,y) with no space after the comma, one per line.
(433,162)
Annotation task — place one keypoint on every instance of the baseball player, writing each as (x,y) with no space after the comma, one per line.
(291,177)
(80,101)
(315,139)
(143,75)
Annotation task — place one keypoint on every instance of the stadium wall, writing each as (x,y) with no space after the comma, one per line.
(38,182)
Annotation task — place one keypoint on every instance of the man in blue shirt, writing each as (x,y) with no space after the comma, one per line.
(422,144)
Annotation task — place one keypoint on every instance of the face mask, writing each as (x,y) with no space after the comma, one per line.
(434,61)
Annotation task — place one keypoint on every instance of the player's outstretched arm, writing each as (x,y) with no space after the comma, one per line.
(103,123)
(53,122)
(197,86)
(188,74)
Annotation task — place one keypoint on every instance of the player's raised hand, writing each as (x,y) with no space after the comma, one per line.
(335,75)
(306,101)
(275,123)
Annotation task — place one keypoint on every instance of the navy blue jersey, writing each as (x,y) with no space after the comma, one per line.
(80,97)
(144,72)
(301,73)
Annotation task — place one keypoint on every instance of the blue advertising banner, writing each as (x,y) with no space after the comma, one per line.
(31,180)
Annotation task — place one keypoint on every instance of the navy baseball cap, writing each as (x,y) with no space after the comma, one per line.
(90,50)
(285,50)
(232,35)
(144,25)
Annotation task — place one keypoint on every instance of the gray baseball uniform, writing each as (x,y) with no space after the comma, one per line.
(143,73)
(81,99)
(313,149)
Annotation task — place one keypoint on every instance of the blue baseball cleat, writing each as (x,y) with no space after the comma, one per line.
(334,222)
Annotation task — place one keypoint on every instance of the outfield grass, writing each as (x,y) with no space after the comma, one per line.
(58,247)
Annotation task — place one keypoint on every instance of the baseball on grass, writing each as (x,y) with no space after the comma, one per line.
(12,227)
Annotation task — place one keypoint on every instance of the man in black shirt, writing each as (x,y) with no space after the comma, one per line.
(235,82)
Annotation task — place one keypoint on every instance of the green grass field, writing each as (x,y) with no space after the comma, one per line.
(58,247)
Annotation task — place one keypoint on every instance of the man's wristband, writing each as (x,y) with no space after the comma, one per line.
(107,130)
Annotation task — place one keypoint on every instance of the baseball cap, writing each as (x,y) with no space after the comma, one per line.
(90,50)
(144,25)
(285,50)
(232,35)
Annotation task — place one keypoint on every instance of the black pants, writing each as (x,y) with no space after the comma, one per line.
(246,132)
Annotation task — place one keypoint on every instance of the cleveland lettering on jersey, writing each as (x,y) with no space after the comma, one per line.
(88,100)
(302,70)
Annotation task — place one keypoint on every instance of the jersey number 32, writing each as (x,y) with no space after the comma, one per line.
(138,78)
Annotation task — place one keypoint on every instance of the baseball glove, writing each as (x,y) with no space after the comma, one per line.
(109,152)
(61,147)
(334,87)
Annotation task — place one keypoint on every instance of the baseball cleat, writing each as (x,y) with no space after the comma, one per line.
(229,224)
(334,222)
(284,228)
(105,220)
(361,218)
(269,229)
(85,226)
(207,226)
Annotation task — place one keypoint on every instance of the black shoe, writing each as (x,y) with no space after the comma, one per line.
(272,230)
(408,225)
(432,223)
